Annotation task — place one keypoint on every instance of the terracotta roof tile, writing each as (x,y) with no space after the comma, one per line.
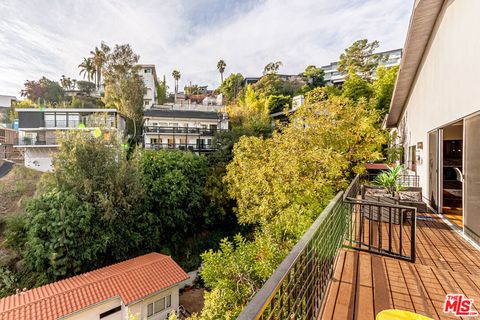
(131,280)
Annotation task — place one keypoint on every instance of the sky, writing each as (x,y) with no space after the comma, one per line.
(51,37)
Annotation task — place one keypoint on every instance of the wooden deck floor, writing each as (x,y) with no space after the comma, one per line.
(365,284)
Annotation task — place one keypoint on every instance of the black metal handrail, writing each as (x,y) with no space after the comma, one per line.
(370,215)
(181,146)
(297,287)
(182,130)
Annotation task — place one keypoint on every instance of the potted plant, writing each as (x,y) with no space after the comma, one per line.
(388,180)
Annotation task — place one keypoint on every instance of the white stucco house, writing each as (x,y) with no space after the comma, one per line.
(181,128)
(435,109)
(149,76)
(146,287)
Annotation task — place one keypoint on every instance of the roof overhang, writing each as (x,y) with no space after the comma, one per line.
(422,24)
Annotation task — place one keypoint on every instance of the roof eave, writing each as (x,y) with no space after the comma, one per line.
(422,23)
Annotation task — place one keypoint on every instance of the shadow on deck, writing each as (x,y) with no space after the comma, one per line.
(364,284)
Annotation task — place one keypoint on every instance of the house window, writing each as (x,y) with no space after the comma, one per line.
(147,102)
(110,312)
(159,305)
(150,310)
(213,127)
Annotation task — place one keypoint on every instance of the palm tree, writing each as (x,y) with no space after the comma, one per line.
(221,67)
(272,67)
(176,75)
(87,68)
(98,59)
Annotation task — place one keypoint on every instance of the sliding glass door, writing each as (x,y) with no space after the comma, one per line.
(472,176)
(433,152)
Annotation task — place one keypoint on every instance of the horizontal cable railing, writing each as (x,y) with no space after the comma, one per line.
(298,286)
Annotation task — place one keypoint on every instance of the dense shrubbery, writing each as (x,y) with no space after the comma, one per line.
(102,205)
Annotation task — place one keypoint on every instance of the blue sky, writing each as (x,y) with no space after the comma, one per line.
(40,37)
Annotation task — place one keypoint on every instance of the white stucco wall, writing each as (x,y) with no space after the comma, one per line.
(447,87)
(39,158)
(93,312)
(139,309)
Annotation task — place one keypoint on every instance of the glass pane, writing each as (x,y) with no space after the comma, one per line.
(169,301)
(472,177)
(150,309)
(159,305)
(433,168)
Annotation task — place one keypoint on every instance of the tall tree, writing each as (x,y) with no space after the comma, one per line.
(361,59)
(87,68)
(43,91)
(176,76)
(272,67)
(231,86)
(313,76)
(221,68)
(99,57)
(124,87)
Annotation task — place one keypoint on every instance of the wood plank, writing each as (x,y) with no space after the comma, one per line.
(329,303)
(345,304)
(381,289)
(364,309)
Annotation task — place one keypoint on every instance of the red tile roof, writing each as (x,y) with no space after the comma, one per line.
(131,280)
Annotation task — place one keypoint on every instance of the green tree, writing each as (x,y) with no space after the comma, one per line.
(90,211)
(272,67)
(86,86)
(87,69)
(44,91)
(281,184)
(162,89)
(174,182)
(360,59)
(98,59)
(221,65)
(176,76)
(383,87)
(277,103)
(124,87)
(313,76)
(355,87)
(250,113)
(230,88)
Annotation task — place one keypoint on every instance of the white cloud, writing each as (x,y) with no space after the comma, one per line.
(50,38)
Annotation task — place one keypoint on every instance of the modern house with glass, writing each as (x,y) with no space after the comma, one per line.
(182,128)
(39,130)
(333,77)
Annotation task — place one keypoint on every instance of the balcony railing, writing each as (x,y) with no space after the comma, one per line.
(182,130)
(297,288)
(184,147)
(37,142)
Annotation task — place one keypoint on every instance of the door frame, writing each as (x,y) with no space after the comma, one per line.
(464,206)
